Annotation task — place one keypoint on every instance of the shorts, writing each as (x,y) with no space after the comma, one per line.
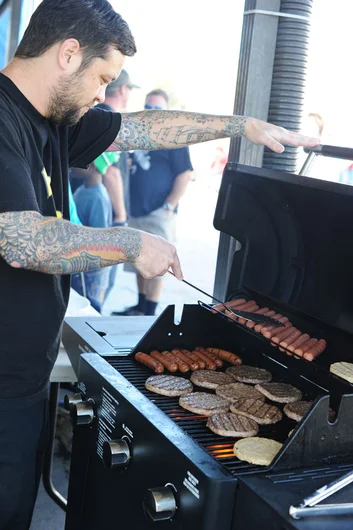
(159,223)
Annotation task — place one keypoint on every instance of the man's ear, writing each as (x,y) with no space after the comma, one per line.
(70,55)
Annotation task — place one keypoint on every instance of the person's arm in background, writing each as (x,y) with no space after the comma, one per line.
(113,181)
(168,129)
(179,188)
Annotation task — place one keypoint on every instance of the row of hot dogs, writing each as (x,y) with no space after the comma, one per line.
(288,338)
(182,360)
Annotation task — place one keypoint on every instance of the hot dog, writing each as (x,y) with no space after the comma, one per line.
(182,367)
(262,311)
(315,350)
(193,357)
(231,304)
(281,335)
(299,342)
(179,353)
(251,309)
(270,331)
(167,363)
(258,327)
(305,347)
(228,356)
(210,365)
(210,355)
(283,345)
(145,359)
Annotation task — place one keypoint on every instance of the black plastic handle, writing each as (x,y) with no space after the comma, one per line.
(331,151)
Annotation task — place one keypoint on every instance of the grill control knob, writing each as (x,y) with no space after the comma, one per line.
(82,413)
(160,503)
(72,400)
(116,453)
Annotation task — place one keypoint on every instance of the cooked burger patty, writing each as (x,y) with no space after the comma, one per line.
(257,410)
(168,385)
(235,391)
(249,374)
(259,451)
(210,378)
(297,410)
(279,392)
(228,424)
(204,403)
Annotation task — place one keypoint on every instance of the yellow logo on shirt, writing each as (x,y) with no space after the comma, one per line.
(47,182)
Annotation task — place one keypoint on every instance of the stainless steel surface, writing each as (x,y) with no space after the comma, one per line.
(72,400)
(116,453)
(305,508)
(160,503)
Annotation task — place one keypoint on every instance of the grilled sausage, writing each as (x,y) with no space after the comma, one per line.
(231,304)
(147,360)
(283,345)
(315,350)
(200,359)
(258,327)
(210,355)
(210,365)
(167,363)
(262,311)
(270,331)
(228,356)
(281,335)
(182,367)
(299,342)
(305,347)
(251,309)
(179,353)
(193,357)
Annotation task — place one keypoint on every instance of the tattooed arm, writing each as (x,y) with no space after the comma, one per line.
(167,129)
(55,246)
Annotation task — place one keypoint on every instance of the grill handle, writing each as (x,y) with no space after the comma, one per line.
(331,151)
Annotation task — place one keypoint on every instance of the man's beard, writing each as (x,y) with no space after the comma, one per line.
(64,108)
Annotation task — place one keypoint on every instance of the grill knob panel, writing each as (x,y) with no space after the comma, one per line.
(72,400)
(82,413)
(160,503)
(116,453)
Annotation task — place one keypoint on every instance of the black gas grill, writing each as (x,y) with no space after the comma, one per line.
(139,459)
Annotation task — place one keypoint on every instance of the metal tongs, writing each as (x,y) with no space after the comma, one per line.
(246,315)
(308,507)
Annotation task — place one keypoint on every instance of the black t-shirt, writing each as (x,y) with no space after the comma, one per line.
(35,155)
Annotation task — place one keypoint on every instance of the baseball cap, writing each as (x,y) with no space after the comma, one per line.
(122,80)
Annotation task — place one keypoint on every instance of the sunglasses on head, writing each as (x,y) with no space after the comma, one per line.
(154,107)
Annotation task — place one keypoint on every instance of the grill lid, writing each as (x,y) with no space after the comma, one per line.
(296,236)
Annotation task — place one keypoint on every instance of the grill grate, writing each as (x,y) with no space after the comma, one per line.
(221,448)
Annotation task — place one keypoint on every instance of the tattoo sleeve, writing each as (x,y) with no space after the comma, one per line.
(167,129)
(55,246)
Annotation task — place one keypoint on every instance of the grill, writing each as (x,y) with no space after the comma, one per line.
(140,459)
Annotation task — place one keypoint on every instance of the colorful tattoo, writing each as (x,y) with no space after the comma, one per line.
(55,246)
(166,129)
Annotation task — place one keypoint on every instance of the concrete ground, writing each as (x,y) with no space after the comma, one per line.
(197,246)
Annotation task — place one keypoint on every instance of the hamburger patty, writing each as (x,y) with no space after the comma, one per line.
(259,451)
(210,378)
(168,385)
(279,392)
(261,412)
(228,424)
(249,374)
(235,391)
(204,403)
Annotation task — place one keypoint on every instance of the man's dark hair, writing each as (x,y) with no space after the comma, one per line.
(94,23)
(158,92)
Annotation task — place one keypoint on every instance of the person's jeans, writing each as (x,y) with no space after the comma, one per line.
(93,285)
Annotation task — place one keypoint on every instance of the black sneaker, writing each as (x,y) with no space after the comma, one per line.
(129,312)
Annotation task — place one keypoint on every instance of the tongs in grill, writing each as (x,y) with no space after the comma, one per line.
(246,315)
(308,507)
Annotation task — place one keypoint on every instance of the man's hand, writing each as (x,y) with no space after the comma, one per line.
(156,257)
(262,133)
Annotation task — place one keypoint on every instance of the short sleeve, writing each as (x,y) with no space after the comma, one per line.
(16,188)
(180,159)
(91,136)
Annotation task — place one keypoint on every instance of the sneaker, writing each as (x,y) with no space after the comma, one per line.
(129,312)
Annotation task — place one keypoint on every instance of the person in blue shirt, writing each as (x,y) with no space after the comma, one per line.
(158,179)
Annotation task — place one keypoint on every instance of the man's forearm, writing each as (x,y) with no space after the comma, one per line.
(55,246)
(167,129)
